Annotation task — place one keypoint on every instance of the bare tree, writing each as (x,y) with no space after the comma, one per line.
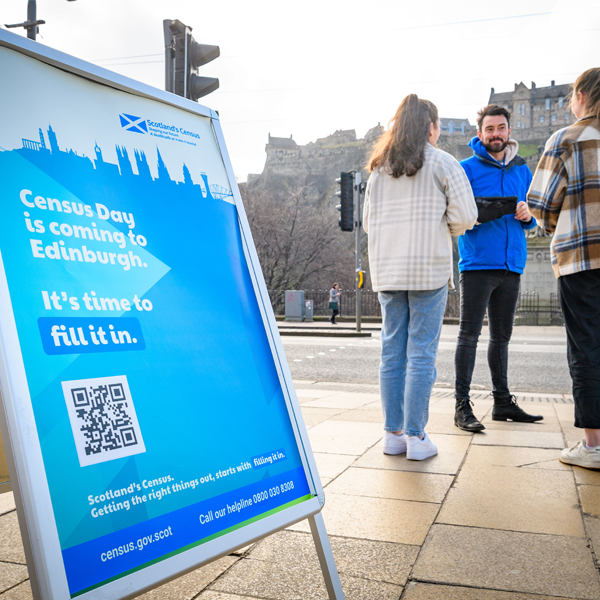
(299,245)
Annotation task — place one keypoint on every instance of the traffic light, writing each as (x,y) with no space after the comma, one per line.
(183,56)
(346,195)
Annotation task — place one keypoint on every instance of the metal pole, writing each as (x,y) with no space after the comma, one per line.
(32,23)
(357,219)
(32,18)
(185,62)
(328,568)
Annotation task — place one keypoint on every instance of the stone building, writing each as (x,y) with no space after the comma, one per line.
(536,106)
(455,136)
(456,127)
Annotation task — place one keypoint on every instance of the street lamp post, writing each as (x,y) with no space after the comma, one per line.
(32,21)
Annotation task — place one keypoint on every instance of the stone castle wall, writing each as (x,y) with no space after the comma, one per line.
(315,165)
(321,161)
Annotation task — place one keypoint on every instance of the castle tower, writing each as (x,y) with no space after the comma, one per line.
(124,162)
(163,173)
(187,178)
(142,165)
(53,141)
(98,152)
(42,140)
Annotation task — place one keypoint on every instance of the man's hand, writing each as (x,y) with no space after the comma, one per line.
(523,213)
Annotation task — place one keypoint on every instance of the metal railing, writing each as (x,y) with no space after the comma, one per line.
(453,305)
(370,303)
(530,311)
(556,314)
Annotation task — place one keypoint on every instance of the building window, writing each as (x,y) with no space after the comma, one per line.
(522,125)
(518,124)
(554,117)
(566,116)
(547,103)
(561,102)
(541,118)
(521,93)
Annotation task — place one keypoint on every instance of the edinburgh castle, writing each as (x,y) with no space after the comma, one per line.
(537,112)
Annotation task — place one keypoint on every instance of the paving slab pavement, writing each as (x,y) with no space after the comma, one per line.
(495,516)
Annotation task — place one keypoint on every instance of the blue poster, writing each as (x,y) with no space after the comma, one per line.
(160,414)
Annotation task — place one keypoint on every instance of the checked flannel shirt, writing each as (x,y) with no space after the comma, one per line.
(564,196)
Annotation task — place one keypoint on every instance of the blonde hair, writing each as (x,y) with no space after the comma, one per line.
(589,84)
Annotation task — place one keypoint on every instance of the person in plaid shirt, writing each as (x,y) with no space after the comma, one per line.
(564,197)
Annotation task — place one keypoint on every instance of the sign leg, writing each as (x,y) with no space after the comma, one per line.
(330,574)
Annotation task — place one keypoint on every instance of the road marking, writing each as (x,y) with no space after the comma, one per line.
(519,347)
(528,348)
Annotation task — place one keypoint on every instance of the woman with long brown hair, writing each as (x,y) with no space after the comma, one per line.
(565,199)
(417,197)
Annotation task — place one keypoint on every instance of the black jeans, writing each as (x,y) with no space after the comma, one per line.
(580,301)
(496,290)
(334,315)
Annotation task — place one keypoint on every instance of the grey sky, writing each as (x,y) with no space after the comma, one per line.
(309,68)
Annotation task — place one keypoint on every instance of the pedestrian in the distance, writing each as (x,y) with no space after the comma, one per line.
(334,302)
(565,199)
(417,196)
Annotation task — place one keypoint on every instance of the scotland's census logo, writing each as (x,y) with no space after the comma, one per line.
(134,124)
(159,129)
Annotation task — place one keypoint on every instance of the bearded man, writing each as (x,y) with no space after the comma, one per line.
(492,259)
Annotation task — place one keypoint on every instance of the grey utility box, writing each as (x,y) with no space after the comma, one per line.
(294,305)
(309,310)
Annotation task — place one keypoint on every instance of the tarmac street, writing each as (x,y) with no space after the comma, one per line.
(494,516)
(537,357)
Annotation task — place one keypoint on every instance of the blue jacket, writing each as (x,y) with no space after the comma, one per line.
(498,244)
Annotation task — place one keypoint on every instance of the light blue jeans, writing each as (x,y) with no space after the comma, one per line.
(412,324)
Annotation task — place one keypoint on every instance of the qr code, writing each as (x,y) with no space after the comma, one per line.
(103,419)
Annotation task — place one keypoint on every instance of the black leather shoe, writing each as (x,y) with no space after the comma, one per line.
(464,418)
(506,407)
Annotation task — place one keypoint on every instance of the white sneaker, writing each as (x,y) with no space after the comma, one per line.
(418,449)
(394,444)
(581,455)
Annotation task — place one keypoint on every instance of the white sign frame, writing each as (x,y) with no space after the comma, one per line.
(17,423)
